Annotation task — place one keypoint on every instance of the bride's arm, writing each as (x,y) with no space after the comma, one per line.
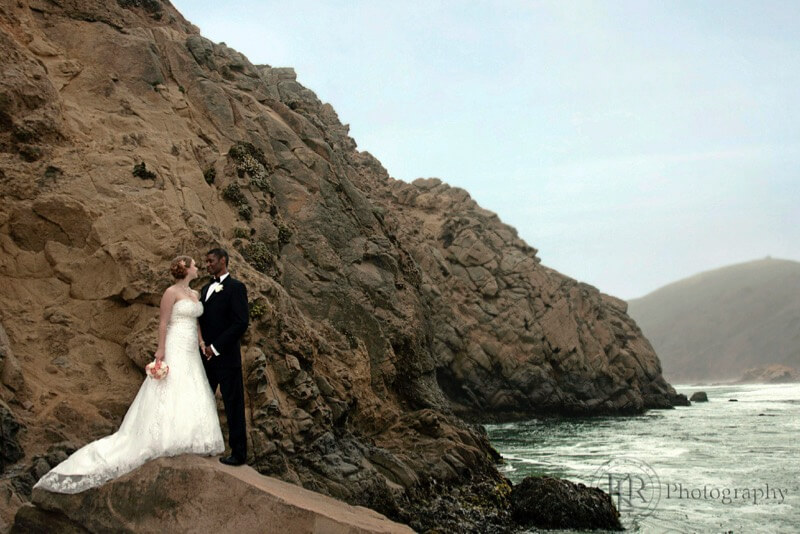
(199,331)
(200,338)
(167,301)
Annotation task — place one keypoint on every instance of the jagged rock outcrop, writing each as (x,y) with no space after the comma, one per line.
(194,494)
(378,307)
(510,335)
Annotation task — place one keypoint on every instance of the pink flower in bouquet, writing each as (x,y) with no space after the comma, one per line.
(157,370)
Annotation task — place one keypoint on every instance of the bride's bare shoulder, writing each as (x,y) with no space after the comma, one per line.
(173,290)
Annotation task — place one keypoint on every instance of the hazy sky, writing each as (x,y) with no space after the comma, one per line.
(632,143)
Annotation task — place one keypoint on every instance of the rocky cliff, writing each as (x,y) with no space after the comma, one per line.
(381,310)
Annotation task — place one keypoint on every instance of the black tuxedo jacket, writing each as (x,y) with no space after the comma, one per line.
(224,321)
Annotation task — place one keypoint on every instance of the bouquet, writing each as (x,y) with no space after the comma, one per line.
(157,370)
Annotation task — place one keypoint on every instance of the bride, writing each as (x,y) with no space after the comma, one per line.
(174,415)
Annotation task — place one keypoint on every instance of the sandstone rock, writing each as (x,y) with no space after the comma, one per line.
(10,502)
(30,519)
(140,346)
(183,494)
(547,502)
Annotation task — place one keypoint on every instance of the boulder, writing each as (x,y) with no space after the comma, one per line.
(699,396)
(193,494)
(546,502)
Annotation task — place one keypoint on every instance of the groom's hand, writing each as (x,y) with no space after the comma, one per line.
(209,352)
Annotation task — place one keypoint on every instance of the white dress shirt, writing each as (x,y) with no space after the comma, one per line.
(214,285)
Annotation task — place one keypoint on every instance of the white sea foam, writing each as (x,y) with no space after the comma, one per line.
(718,444)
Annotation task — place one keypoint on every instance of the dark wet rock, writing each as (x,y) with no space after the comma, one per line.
(547,502)
(10,369)
(479,507)
(699,396)
(10,449)
(679,399)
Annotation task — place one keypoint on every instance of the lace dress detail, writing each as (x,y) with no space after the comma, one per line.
(171,416)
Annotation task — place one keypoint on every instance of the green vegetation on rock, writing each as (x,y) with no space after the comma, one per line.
(257,309)
(233,193)
(259,256)
(252,162)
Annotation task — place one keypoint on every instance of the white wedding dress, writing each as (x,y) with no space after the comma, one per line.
(171,416)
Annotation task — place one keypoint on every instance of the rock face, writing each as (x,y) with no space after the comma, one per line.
(193,494)
(508,334)
(379,309)
(547,502)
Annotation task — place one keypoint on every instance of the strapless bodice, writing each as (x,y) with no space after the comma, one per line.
(186,310)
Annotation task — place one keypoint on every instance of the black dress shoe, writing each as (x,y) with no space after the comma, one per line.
(231,460)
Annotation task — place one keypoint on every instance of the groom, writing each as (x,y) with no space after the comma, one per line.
(224,321)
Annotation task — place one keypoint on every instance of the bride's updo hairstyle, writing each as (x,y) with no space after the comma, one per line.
(179,267)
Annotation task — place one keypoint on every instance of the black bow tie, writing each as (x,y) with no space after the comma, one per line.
(217,280)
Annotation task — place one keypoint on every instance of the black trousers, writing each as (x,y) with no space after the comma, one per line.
(229,380)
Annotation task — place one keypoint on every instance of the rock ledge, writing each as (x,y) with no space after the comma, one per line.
(191,494)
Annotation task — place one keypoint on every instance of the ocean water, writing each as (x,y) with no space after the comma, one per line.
(720,466)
